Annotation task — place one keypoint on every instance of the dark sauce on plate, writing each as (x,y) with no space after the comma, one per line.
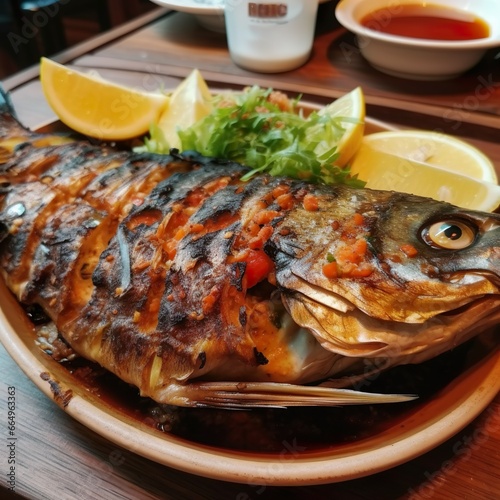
(428,21)
(291,430)
(272,430)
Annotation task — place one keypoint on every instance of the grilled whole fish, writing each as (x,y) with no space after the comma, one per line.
(203,290)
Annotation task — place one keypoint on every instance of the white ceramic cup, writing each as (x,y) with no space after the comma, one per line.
(270,36)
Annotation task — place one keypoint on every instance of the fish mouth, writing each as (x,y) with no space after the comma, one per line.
(352,332)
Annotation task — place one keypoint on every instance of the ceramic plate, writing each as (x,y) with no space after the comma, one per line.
(435,420)
(199,7)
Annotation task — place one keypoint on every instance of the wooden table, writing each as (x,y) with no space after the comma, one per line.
(161,48)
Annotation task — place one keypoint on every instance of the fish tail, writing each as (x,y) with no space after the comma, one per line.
(6,105)
(10,126)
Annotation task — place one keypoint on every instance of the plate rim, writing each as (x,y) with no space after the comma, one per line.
(192,7)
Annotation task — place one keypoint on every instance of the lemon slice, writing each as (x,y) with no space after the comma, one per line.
(96,107)
(189,102)
(437,149)
(352,107)
(461,174)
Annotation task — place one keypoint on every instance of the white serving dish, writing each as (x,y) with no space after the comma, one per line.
(415,58)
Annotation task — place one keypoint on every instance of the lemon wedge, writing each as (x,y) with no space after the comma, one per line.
(352,107)
(96,107)
(189,102)
(437,149)
(428,164)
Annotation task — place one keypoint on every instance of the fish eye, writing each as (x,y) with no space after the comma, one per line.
(449,234)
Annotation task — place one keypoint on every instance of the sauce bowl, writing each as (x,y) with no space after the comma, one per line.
(418,58)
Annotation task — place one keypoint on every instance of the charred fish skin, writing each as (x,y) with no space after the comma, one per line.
(174,274)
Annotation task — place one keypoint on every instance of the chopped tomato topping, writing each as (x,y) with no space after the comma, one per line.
(409,250)
(253,228)
(331,270)
(280,190)
(310,202)
(348,254)
(259,265)
(360,246)
(240,256)
(348,261)
(265,217)
(214,186)
(263,235)
(260,205)
(358,219)
(197,228)
(285,201)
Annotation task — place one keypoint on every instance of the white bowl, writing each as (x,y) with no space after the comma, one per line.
(417,58)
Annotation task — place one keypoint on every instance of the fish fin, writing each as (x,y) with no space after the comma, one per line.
(243,395)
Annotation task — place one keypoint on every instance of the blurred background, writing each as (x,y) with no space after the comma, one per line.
(32,28)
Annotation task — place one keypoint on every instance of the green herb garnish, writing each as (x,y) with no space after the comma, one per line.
(249,128)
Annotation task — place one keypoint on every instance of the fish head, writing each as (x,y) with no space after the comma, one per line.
(378,273)
(435,256)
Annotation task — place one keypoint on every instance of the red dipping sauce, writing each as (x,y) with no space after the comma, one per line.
(430,22)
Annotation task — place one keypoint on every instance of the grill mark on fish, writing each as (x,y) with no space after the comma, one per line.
(57,257)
